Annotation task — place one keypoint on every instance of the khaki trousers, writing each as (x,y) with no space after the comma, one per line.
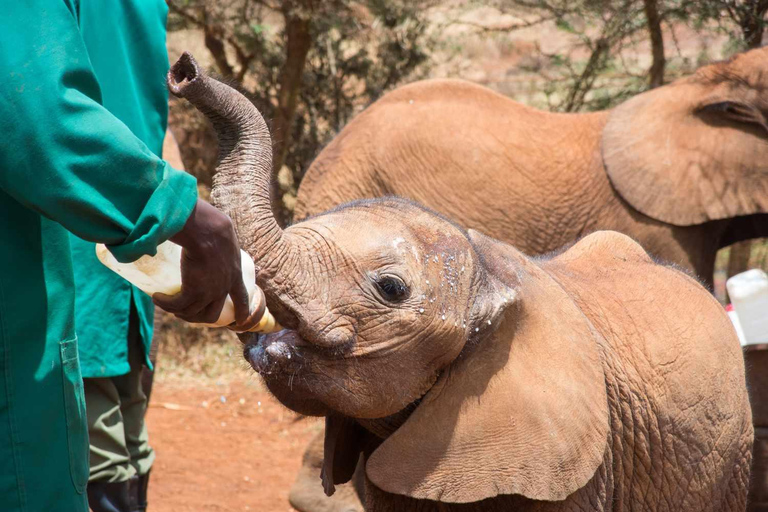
(115,408)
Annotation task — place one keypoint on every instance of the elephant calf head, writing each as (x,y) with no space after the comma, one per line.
(383,297)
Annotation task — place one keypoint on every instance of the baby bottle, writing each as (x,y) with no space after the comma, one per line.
(162,274)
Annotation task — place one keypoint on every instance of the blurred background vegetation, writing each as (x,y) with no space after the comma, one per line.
(311,65)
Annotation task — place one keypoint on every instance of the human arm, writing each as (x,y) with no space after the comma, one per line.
(71,160)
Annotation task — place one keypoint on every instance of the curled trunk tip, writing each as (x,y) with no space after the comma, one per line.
(184,72)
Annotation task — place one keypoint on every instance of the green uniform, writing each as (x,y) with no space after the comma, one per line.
(104,302)
(129,34)
(66,162)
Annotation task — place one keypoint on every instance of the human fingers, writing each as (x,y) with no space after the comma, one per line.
(207,314)
(173,303)
(239,295)
(255,316)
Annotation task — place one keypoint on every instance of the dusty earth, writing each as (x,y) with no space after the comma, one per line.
(225,447)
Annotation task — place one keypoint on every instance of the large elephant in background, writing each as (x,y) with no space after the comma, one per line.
(682,169)
(471,377)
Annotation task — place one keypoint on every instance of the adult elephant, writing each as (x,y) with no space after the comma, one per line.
(682,169)
(470,377)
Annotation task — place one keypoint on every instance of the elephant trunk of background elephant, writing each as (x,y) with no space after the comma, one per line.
(241,185)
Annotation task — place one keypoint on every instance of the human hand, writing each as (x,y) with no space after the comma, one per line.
(255,317)
(210,269)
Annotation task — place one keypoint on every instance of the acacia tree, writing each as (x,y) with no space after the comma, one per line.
(309,65)
(747,15)
(602,30)
(605,29)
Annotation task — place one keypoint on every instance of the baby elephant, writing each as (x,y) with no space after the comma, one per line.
(469,376)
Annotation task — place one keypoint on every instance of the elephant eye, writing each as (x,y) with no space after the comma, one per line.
(736,111)
(392,288)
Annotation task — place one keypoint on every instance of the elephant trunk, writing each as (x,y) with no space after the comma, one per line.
(242,183)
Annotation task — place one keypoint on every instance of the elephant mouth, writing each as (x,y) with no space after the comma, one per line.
(286,352)
(285,362)
(275,353)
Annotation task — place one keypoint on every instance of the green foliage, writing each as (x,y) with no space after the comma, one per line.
(596,72)
(735,45)
(565,26)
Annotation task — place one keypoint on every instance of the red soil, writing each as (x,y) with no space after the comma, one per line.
(235,455)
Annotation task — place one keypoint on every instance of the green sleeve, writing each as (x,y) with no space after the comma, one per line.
(66,156)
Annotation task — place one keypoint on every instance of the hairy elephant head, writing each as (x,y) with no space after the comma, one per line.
(388,309)
(695,150)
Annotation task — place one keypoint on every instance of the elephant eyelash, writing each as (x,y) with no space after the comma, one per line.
(728,107)
(392,288)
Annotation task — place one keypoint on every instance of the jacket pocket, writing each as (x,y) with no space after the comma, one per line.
(74,402)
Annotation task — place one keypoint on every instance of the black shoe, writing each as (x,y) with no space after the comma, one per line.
(109,496)
(139,486)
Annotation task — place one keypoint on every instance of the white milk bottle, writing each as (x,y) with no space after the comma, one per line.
(162,274)
(749,295)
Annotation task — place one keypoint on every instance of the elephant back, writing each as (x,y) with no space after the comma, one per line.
(675,376)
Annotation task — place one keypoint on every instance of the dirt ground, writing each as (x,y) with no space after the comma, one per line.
(227,447)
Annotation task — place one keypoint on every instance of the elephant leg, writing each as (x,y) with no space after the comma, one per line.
(307,492)
(756,364)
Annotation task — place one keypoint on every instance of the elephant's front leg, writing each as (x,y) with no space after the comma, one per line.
(307,492)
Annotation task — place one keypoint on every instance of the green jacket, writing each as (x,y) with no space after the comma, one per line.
(136,94)
(66,163)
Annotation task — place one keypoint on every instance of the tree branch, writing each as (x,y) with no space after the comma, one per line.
(501,28)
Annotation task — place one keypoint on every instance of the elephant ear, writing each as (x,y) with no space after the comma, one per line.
(688,153)
(523,412)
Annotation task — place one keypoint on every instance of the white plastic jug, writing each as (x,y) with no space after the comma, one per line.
(749,295)
(162,274)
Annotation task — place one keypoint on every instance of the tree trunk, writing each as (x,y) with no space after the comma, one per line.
(656,73)
(298,43)
(753,22)
(216,46)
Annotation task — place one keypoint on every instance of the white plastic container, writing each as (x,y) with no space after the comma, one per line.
(736,325)
(749,295)
(162,274)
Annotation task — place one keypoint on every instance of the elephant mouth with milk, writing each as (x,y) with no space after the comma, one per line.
(291,369)
(369,330)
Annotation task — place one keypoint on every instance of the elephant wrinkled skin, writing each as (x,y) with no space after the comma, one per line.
(472,377)
(682,169)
